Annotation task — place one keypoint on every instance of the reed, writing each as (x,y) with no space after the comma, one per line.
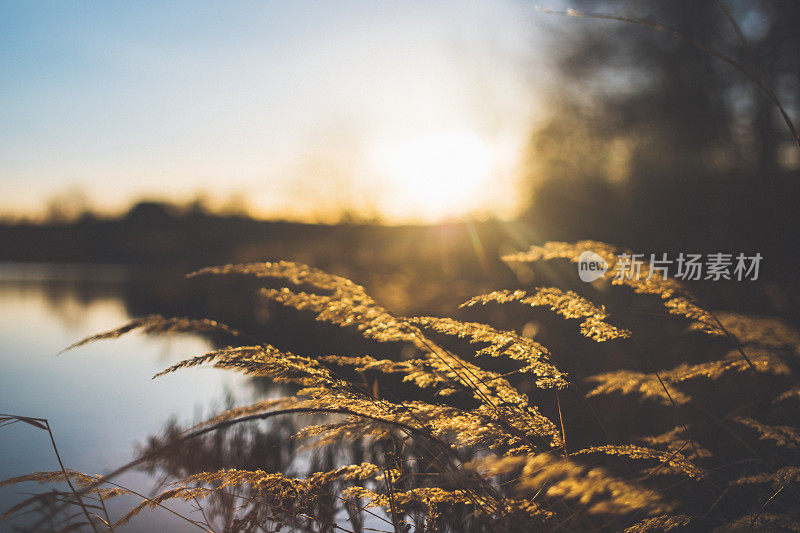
(459,445)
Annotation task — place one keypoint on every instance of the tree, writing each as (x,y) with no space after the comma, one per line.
(655,143)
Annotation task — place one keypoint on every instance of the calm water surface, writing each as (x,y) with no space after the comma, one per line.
(100,399)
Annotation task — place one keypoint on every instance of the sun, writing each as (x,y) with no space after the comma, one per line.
(435,176)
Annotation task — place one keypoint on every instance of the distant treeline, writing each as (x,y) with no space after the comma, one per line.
(406,267)
(160,233)
(150,232)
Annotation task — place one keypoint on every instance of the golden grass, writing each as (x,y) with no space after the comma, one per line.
(485,450)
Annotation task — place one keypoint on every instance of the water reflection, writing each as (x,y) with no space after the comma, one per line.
(99,399)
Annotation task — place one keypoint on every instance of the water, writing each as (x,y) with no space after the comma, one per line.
(99,399)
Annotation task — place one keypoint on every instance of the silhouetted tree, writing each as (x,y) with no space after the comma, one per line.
(657,144)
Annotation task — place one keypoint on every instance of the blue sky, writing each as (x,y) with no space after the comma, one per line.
(289,104)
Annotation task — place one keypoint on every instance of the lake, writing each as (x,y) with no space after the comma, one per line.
(99,399)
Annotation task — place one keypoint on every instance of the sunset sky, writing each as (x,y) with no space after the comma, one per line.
(410,110)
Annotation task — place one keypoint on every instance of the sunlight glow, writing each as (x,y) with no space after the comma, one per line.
(436,175)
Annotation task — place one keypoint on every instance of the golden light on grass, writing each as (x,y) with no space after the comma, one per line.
(494,443)
(436,175)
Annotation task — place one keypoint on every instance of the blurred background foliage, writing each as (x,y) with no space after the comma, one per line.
(654,143)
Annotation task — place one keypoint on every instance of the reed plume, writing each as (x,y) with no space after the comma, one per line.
(454,445)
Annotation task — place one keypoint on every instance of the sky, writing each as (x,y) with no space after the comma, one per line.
(405,110)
